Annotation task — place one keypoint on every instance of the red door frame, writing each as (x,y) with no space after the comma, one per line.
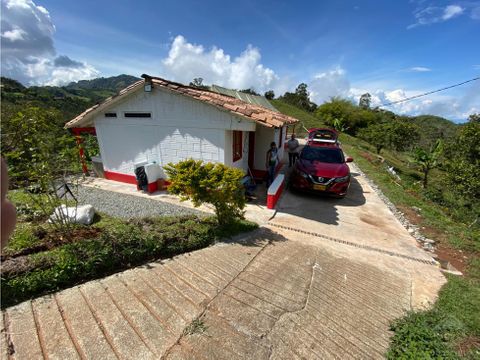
(251,149)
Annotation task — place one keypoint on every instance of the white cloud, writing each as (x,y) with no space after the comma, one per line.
(451,11)
(28,52)
(435,14)
(419,69)
(64,75)
(329,84)
(16,34)
(186,61)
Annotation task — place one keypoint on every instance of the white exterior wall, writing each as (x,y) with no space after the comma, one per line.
(179,128)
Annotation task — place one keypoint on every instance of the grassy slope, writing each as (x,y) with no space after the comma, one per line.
(307,120)
(453,324)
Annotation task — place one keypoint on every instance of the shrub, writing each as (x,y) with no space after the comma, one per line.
(215,184)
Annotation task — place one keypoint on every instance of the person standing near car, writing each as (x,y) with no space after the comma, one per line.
(292,145)
(271,163)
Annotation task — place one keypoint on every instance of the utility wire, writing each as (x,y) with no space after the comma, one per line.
(428,93)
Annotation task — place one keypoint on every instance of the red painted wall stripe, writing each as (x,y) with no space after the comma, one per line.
(129,179)
(273,198)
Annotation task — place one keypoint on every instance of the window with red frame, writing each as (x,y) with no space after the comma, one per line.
(237,145)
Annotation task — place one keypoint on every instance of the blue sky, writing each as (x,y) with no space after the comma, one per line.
(391,49)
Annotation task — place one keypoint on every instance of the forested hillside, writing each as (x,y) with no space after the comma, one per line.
(70,100)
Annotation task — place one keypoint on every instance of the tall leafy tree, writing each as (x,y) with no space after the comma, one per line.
(463,154)
(474,118)
(365,101)
(270,95)
(198,83)
(300,98)
(377,135)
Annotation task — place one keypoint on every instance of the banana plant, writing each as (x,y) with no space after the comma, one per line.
(428,159)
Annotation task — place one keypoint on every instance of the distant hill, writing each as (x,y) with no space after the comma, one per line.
(70,100)
(434,127)
(114,83)
(431,127)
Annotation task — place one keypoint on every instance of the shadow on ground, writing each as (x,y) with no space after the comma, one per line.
(320,207)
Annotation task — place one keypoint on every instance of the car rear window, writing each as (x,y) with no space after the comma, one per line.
(327,155)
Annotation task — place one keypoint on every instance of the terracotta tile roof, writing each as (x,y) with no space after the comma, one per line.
(259,114)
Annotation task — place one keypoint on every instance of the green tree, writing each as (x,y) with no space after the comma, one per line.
(463,154)
(428,159)
(250,91)
(270,95)
(338,109)
(33,142)
(300,98)
(396,135)
(40,156)
(377,135)
(198,83)
(212,183)
(365,101)
(474,118)
(402,135)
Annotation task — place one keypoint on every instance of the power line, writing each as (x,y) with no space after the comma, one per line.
(428,93)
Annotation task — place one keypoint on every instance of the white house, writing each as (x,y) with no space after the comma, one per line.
(155,121)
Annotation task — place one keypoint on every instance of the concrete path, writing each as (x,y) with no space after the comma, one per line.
(254,300)
(322,279)
(272,296)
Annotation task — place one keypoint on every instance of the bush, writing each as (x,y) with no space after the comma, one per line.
(215,184)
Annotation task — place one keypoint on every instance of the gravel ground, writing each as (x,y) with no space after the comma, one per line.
(129,206)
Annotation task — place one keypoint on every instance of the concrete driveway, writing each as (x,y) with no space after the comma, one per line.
(322,279)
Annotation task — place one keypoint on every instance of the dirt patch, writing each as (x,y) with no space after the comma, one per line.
(52,239)
(367,156)
(371,221)
(468,344)
(412,216)
(21,265)
(457,258)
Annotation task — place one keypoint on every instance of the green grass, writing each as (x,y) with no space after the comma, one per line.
(448,331)
(23,237)
(308,120)
(451,328)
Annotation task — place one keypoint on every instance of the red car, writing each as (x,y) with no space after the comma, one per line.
(322,136)
(321,167)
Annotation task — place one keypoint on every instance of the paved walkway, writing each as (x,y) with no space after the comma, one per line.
(268,297)
(322,279)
